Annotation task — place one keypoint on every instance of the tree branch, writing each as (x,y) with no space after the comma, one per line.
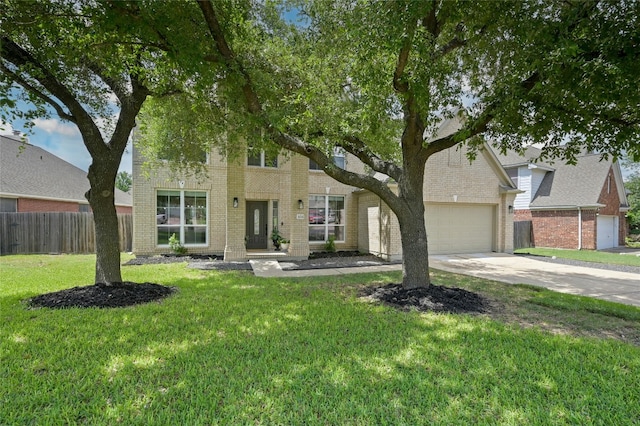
(359,149)
(32,89)
(15,54)
(283,139)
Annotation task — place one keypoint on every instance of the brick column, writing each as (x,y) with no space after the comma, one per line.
(299,228)
(234,248)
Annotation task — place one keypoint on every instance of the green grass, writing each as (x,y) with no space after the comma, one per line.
(584,255)
(230,348)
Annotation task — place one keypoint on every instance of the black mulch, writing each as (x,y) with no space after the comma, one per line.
(170,258)
(102,296)
(433,298)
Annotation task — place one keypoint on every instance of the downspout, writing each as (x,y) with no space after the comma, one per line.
(579,229)
(380,231)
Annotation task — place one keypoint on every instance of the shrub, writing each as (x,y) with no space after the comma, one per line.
(176,246)
(330,245)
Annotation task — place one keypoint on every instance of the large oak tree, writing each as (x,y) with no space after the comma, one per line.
(376,78)
(81,61)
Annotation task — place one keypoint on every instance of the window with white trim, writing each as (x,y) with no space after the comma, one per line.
(326,217)
(261,159)
(183,213)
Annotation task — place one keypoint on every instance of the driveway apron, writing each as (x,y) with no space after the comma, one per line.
(615,286)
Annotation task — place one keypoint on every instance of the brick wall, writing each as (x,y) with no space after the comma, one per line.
(559,229)
(34,205)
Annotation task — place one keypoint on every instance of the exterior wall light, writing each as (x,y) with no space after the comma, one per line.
(235,202)
(510,209)
(300,205)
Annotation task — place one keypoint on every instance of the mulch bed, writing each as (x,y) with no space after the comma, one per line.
(433,298)
(116,295)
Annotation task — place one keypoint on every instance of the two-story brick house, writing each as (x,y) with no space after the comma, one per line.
(579,206)
(234,211)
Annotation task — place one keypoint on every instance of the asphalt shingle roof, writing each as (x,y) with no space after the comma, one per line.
(578,185)
(30,171)
(564,185)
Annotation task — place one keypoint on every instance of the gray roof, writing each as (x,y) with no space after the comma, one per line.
(513,159)
(573,185)
(564,185)
(30,171)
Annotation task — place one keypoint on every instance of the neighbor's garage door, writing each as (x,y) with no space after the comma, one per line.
(607,232)
(459,228)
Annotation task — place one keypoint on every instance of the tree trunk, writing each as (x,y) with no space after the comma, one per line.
(415,260)
(101,198)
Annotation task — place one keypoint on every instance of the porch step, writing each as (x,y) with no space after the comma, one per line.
(266,255)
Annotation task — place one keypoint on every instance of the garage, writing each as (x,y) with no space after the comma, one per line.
(607,229)
(460,228)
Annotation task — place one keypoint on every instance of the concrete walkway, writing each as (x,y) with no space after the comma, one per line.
(621,287)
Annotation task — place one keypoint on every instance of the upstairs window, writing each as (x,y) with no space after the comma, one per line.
(261,159)
(338,160)
(513,174)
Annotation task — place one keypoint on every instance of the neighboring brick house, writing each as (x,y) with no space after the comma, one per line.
(235,209)
(34,180)
(579,206)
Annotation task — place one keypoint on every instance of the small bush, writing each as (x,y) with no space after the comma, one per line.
(330,245)
(176,246)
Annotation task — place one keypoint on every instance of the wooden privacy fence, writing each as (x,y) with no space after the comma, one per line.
(522,234)
(27,233)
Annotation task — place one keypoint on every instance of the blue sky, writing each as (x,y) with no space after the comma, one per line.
(61,139)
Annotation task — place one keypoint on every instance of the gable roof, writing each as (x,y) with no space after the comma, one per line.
(579,185)
(565,185)
(29,171)
(512,159)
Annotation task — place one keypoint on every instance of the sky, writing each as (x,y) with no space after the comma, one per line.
(63,140)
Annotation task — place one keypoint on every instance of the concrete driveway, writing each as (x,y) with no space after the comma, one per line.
(621,287)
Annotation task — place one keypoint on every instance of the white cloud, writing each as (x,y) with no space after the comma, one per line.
(52,126)
(5,128)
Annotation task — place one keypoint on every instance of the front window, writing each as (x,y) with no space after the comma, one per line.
(183,213)
(261,159)
(326,217)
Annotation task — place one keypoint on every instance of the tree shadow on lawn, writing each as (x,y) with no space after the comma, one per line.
(249,350)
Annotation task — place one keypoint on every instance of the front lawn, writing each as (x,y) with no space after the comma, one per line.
(230,348)
(584,255)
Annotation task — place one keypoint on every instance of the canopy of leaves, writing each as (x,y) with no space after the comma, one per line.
(633,216)
(124,180)
(558,73)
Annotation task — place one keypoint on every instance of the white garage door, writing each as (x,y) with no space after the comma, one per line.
(460,228)
(607,232)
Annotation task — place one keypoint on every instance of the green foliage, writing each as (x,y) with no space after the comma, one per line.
(633,215)
(310,352)
(330,245)
(175,245)
(124,180)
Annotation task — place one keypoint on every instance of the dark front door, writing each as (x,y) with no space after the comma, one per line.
(257,224)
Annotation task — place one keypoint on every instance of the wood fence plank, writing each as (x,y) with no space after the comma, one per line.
(56,232)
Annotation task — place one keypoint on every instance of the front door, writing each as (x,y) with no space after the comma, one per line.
(257,224)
